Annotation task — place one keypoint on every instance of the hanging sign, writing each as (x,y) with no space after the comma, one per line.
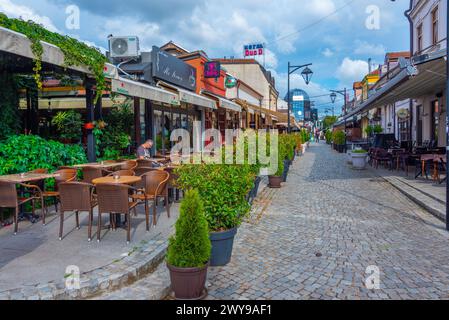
(212,69)
(403,113)
(252,50)
(231,82)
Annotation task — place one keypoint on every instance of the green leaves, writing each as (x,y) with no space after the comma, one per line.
(75,52)
(24,153)
(339,137)
(69,124)
(223,190)
(190,247)
(9,106)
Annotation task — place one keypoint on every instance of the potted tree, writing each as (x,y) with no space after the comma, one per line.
(359,159)
(189,250)
(275,180)
(223,190)
(69,125)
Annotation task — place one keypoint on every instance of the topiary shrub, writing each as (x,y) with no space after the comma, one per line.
(190,247)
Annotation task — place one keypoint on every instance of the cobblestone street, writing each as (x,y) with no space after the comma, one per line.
(322,231)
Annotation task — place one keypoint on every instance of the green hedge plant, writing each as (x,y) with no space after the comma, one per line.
(223,190)
(24,153)
(339,137)
(190,247)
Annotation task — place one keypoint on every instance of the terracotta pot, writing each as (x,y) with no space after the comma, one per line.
(275,182)
(188,283)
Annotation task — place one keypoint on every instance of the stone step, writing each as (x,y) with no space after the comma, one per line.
(428,202)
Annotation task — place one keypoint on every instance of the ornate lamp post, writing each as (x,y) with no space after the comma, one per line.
(306,74)
(334,98)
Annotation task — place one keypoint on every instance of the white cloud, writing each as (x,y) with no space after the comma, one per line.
(352,70)
(327,53)
(25,13)
(366,48)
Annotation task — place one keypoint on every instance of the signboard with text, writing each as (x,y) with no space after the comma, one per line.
(173,70)
(253,50)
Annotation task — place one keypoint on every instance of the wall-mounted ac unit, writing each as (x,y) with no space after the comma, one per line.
(124,47)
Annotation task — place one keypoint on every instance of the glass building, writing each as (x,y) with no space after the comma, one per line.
(300,105)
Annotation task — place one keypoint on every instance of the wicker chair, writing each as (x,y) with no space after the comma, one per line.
(155,183)
(65,175)
(175,192)
(10,199)
(92,173)
(129,165)
(77,197)
(114,199)
(144,163)
(140,171)
(40,183)
(123,173)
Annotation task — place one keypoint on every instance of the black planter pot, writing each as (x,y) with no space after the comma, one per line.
(341,148)
(188,283)
(254,191)
(222,244)
(287,164)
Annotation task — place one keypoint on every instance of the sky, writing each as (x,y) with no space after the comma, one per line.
(336,36)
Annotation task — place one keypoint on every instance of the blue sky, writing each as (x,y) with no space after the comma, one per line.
(331,34)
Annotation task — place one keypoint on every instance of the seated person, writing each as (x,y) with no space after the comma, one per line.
(144,151)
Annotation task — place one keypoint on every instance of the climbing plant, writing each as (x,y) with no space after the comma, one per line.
(75,52)
(9,106)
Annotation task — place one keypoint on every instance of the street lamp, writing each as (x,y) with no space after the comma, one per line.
(333,96)
(306,74)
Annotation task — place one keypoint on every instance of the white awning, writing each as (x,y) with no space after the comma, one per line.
(18,44)
(225,103)
(144,91)
(191,97)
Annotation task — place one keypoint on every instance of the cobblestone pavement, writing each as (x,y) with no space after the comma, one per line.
(322,231)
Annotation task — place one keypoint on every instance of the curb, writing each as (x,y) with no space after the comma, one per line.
(142,261)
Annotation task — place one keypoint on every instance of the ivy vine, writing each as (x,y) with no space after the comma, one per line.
(75,52)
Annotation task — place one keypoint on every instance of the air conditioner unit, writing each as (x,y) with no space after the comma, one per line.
(124,47)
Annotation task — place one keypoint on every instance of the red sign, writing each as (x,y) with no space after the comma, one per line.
(253,50)
(212,69)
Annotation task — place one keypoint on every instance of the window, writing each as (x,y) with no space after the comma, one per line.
(435,26)
(419,33)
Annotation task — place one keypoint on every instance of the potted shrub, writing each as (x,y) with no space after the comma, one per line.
(359,159)
(275,181)
(223,190)
(189,250)
(69,125)
(339,140)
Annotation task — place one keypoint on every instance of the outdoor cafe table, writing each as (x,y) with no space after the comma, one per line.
(104,165)
(121,180)
(424,159)
(25,178)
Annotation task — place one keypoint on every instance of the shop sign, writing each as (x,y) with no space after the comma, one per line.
(403,113)
(212,70)
(253,50)
(230,82)
(173,70)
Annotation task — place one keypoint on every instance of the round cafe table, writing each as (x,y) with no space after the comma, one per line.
(122,180)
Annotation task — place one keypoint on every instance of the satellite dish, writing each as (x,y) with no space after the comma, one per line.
(120,46)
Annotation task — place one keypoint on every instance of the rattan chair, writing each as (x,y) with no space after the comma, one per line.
(175,192)
(10,199)
(155,187)
(144,163)
(65,175)
(140,171)
(115,199)
(92,173)
(77,197)
(129,165)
